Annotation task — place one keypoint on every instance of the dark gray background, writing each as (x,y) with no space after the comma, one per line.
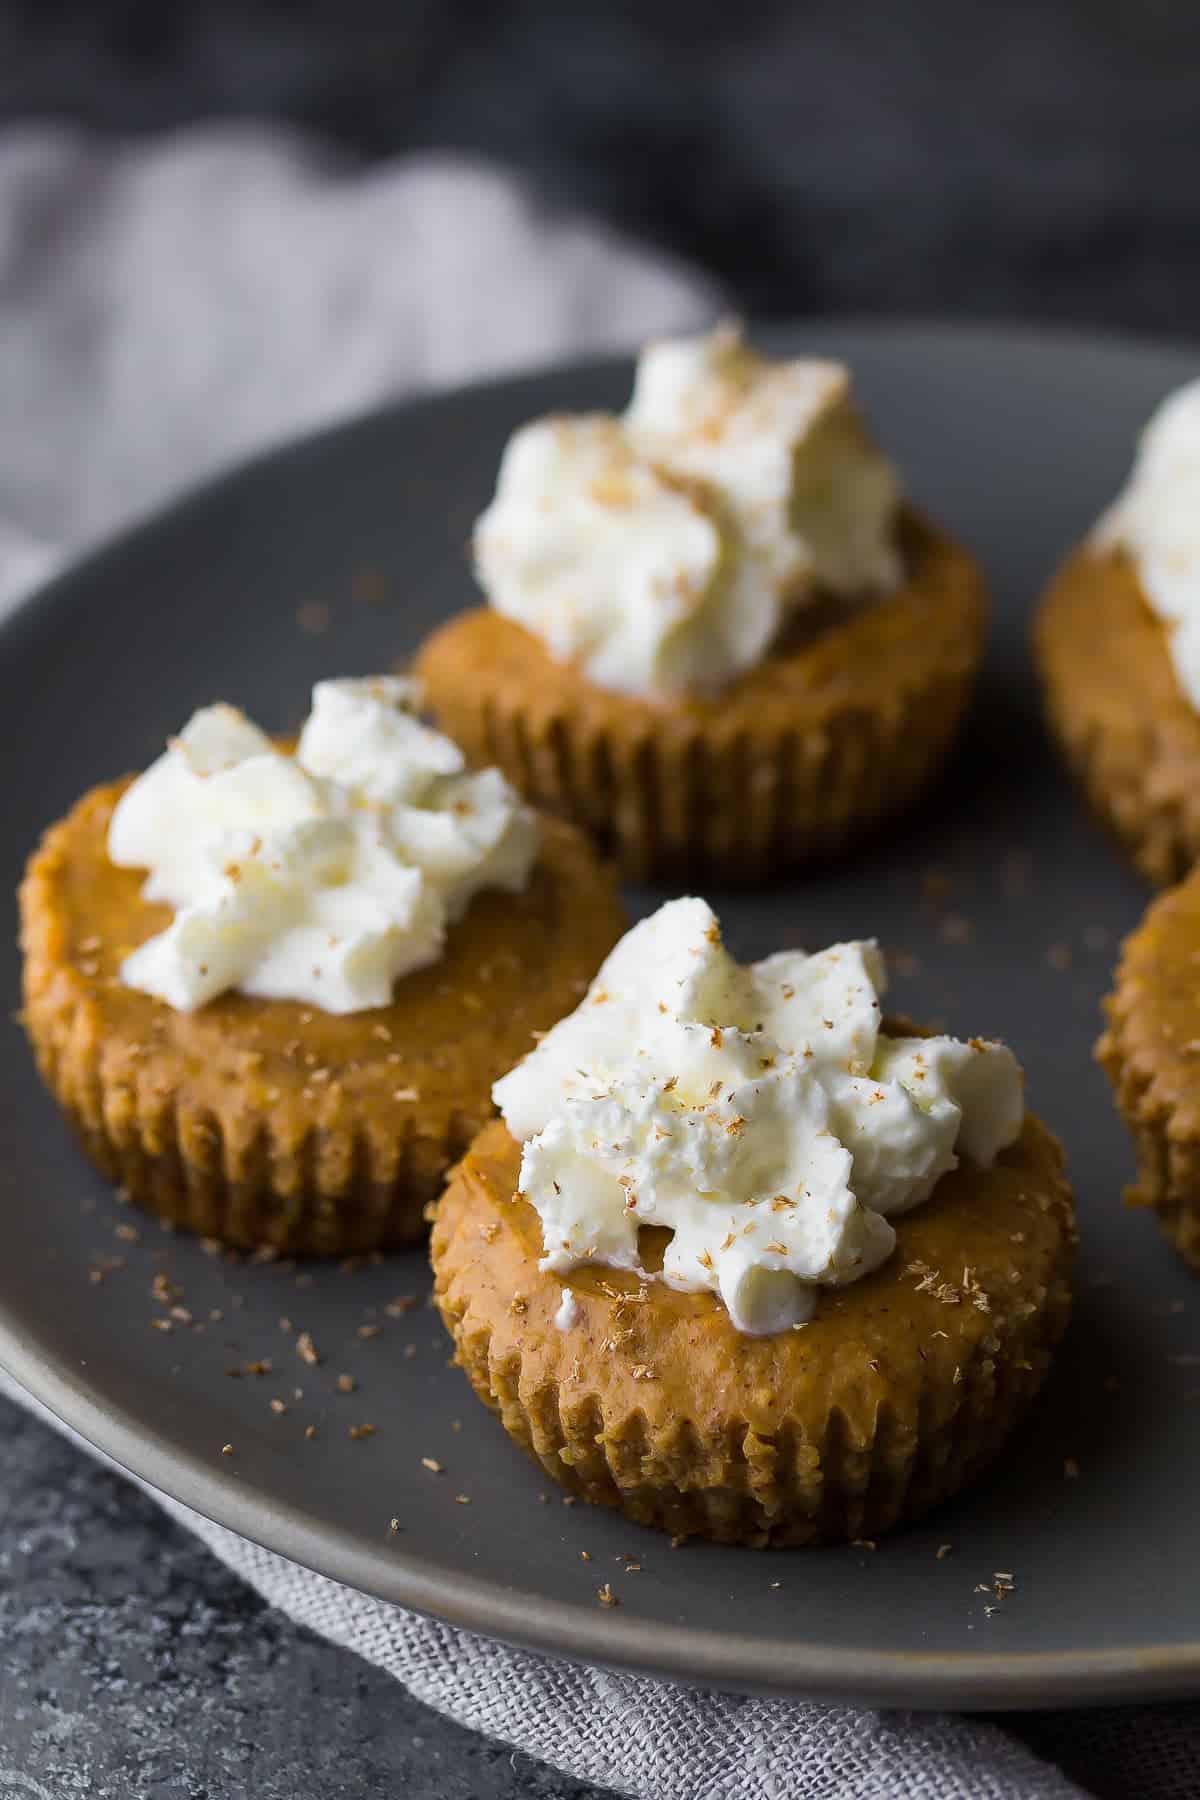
(1039,158)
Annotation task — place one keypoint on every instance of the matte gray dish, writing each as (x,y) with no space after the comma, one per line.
(334,557)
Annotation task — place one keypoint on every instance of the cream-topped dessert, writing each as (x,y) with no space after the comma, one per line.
(664,551)
(759,1112)
(1156,519)
(321,875)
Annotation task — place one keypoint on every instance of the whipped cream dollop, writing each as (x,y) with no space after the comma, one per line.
(322,876)
(663,551)
(758,1112)
(1157,520)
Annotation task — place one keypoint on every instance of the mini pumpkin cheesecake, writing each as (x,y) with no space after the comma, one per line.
(271,989)
(741,1261)
(1150,1052)
(715,634)
(1117,642)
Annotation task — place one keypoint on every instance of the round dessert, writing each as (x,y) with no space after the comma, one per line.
(715,635)
(798,1289)
(1117,642)
(1150,1052)
(284,1035)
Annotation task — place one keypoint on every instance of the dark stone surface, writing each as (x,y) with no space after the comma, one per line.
(1036,159)
(133,1666)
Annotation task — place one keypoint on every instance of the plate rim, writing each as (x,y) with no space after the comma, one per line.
(994,1679)
(923,1680)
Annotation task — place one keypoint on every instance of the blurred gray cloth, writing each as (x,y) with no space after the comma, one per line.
(165,308)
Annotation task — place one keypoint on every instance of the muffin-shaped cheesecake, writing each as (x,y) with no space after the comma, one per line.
(1150,1052)
(742,1262)
(271,987)
(1118,646)
(714,635)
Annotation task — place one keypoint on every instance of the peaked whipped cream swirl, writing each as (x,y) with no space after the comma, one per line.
(1157,520)
(322,876)
(759,1113)
(663,551)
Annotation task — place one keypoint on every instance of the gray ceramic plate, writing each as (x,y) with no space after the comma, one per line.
(335,556)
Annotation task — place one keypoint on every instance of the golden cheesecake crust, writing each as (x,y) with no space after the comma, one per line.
(1150,1052)
(1118,712)
(266,1122)
(903,1386)
(836,729)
